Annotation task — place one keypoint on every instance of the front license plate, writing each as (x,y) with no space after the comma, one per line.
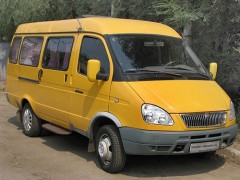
(204,147)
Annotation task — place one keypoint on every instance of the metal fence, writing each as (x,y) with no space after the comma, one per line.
(4,49)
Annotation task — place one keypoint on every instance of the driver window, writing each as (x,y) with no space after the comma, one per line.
(93,48)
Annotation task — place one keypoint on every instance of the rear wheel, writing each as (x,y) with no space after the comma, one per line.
(32,125)
(109,149)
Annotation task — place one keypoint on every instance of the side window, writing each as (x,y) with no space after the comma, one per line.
(30,51)
(57,53)
(14,51)
(93,48)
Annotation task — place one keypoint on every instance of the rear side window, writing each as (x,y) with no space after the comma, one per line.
(14,51)
(57,53)
(93,48)
(30,52)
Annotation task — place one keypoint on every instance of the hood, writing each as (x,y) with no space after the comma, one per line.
(183,96)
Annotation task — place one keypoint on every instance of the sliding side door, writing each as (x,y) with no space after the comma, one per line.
(53,102)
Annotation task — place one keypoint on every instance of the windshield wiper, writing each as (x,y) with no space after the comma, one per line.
(169,73)
(130,71)
(188,69)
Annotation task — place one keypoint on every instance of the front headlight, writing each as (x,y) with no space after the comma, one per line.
(232,111)
(155,115)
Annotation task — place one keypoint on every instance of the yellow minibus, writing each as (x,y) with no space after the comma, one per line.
(132,87)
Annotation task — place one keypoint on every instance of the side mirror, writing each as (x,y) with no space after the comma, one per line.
(93,68)
(213,69)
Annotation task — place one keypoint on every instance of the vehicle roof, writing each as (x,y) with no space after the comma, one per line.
(100,25)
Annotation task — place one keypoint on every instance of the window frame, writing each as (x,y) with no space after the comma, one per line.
(19,51)
(95,37)
(39,53)
(45,50)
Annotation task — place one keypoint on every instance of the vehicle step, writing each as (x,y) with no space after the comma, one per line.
(56,129)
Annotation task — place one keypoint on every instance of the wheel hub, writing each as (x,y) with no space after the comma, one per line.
(104,149)
(27,119)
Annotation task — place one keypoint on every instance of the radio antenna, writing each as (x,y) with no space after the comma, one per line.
(80,26)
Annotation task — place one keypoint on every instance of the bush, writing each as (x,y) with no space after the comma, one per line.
(238,114)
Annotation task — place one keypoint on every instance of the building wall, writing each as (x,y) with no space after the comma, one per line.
(4,49)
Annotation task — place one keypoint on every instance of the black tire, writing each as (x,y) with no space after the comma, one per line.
(32,125)
(118,156)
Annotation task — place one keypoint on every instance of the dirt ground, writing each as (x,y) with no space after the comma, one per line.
(66,157)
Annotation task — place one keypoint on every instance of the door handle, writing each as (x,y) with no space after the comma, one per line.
(65,78)
(79,91)
(40,74)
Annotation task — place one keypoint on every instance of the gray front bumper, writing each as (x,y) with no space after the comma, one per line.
(142,142)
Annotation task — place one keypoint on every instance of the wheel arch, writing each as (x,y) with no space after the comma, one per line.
(101,119)
(27,99)
(23,102)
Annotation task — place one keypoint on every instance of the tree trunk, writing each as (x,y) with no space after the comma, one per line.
(112,9)
(187,33)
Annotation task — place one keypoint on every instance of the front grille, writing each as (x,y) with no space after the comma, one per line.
(203,120)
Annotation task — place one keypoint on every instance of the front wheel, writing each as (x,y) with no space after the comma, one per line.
(109,149)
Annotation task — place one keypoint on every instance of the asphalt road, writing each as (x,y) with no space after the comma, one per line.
(66,157)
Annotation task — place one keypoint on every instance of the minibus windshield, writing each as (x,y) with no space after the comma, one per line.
(148,54)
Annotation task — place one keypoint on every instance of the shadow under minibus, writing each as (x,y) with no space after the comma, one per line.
(137,166)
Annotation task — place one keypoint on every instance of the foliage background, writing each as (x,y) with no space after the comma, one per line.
(211,27)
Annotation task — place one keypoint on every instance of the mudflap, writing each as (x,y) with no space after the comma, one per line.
(19,116)
(91,147)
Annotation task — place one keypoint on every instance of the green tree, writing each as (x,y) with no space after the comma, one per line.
(7,19)
(181,14)
(219,40)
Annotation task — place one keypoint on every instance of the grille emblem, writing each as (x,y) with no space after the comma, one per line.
(207,115)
